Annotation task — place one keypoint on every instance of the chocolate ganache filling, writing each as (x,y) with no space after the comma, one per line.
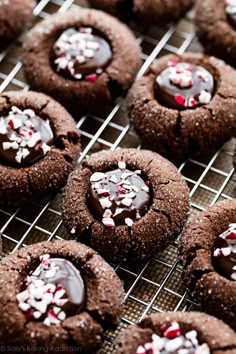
(81,54)
(118,197)
(184,85)
(230,9)
(224,253)
(53,291)
(24,137)
(174,341)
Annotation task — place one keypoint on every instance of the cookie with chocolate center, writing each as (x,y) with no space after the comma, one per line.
(134,200)
(147,11)
(177,333)
(216,28)
(39,146)
(54,294)
(184,105)
(208,247)
(82,58)
(14,16)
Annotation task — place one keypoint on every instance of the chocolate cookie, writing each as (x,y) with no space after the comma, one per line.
(39,145)
(149,11)
(184,105)
(177,333)
(82,58)
(216,28)
(207,247)
(57,295)
(14,16)
(126,203)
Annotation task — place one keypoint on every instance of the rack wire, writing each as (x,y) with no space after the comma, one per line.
(153,285)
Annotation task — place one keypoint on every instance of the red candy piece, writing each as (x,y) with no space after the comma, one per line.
(180,100)
(231,236)
(91,78)
(11,123)
(172,331)
(172,63)
(29,315)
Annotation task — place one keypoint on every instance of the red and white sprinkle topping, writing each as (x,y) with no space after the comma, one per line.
(174,342)
(184,85)
(181,77)
(41,300)
(25,135)
(81,54)
(224,252)
(115,196)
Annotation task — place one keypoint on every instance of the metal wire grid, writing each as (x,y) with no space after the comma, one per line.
(154,285)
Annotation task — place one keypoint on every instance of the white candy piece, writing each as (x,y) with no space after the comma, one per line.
(109,222)
(204,97)
(121,165)
(141,350)
(46,148)
(145,189)
(97,176)
(21,297)
(217,252)
(113,179)
(107,213)
(50,273)
(59,294)
(127,202)
(61,316)
(226,251)
(29,112)
(129,222)
(203,349)
(174,344)
(93,45)
(105,203)
(24,306)
(47,321)
(191,335)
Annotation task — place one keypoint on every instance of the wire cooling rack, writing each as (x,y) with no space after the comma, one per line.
(154,285)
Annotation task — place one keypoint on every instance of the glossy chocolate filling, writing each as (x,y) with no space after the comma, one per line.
(54,291)
(81,54)
(69,277)
(119,197)
(183,86)
(224,253)
(24,137)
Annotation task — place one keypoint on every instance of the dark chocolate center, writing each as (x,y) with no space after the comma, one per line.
(24,137)
(224,253)
(69,277)
(230,9)
(120,196)
(54,291)
(183,85)
(81,54)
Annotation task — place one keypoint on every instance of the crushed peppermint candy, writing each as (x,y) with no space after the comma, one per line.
(49,295)
(184,85)
(181,76)
(24,137)
(230,6)
(224,252)
(173,341)
(118,197)
(81,54)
